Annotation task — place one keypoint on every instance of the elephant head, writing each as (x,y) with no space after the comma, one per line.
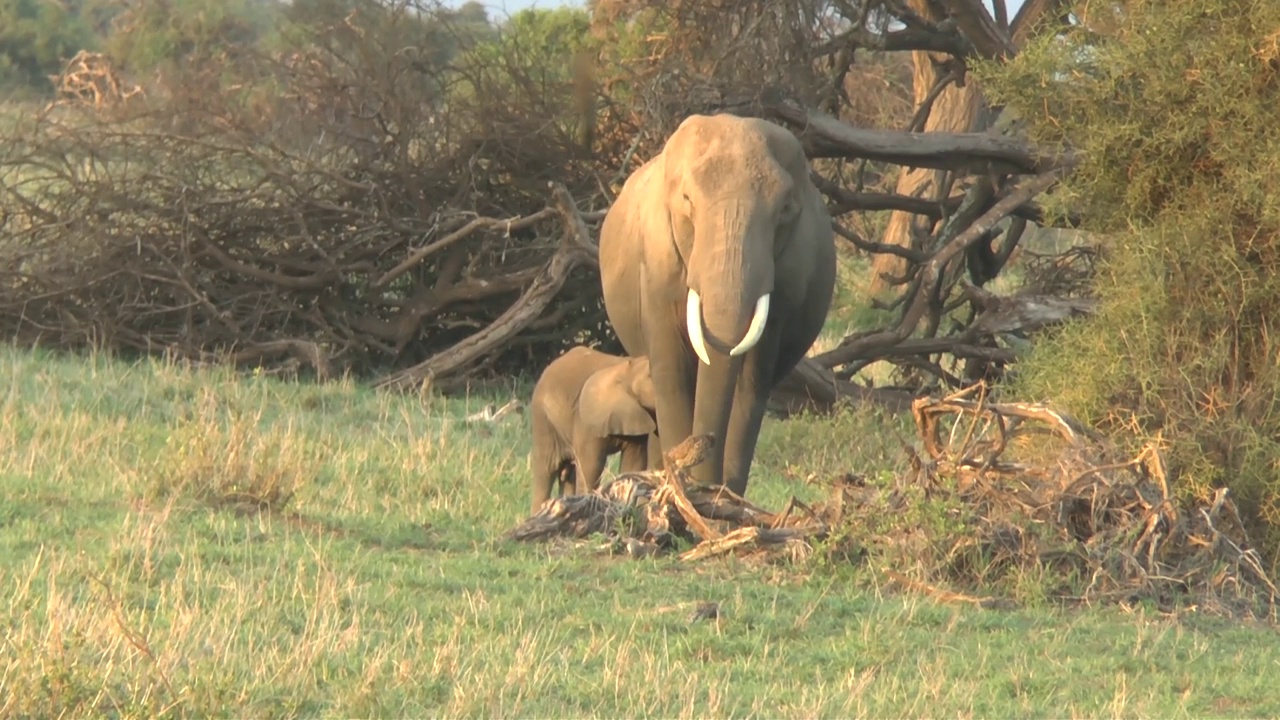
(733,199)
(618,400)
(717,262)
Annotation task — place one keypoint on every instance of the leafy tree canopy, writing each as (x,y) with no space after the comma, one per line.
(36,38)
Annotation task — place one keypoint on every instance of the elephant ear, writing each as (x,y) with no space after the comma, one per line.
(812,226)
(605,407)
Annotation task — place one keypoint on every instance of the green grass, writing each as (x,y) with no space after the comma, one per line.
(129,590)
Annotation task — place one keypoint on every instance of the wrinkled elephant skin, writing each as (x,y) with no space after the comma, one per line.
(717,262)
(586,406)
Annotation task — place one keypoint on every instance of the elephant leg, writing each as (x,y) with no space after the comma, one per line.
(544,460)
(750,401)
(654,451)
(714,398)
(592,457)
(671,364)
(635,456)
(565,477)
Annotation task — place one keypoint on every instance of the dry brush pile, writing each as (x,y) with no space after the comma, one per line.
(350,205)
(324,207)
(1003,492)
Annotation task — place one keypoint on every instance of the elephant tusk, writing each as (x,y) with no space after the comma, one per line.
(756,329)
(693,318)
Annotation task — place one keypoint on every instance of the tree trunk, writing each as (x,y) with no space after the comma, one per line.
(956,109)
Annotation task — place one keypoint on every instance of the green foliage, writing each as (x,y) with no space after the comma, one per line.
(36,38)
(532,59)
(539,46)
(1172,107)
(384,590)
(155,32)
(547,34)
(435,36)
(629,47)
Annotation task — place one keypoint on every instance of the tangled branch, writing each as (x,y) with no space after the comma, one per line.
(343,207)
(1071,503)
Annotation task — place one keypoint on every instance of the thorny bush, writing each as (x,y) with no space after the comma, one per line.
(249,203)
(1173,108)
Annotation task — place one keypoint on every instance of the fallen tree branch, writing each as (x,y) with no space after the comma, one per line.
(930,274)
(688,454)
(1023,312)
(662,508)
(293,282)
(1064,504)
(303,350)
(826,137)
(810,387)
(575,249)
(952,346)
(422,253)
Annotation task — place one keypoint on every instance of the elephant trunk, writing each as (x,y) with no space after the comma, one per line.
(730,282)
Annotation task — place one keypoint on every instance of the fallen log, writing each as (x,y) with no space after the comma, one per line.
(810,387)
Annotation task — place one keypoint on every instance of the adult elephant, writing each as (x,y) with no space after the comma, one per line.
(718,263)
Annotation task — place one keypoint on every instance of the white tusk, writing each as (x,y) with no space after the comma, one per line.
(693,318)
(757,327)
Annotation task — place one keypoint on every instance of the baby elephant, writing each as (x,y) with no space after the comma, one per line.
(586,406)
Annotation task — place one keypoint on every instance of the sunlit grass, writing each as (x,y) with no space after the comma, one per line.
(141,577)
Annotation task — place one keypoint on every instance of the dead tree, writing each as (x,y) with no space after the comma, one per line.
(982,177)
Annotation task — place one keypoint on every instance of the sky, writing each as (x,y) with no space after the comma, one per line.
(508,7)
(499,8)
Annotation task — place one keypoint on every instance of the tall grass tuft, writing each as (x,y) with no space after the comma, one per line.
(223,456)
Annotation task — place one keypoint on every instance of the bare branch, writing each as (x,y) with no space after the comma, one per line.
(575,248)
(908,39)
(931,272)
(847,201)
(426,251)
(953,75)
(876,247)
(979,28)
(827,137)
(1002,14)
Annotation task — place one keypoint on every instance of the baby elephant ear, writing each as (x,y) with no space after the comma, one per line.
(605,406)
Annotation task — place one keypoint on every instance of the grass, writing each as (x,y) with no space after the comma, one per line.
(138,579)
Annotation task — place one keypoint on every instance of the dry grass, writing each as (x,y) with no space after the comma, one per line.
(378,589)
(221,456)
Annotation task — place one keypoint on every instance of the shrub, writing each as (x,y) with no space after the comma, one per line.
(1172,108)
